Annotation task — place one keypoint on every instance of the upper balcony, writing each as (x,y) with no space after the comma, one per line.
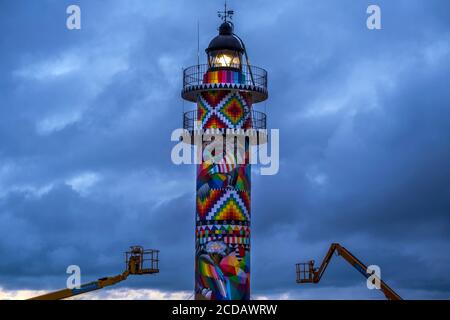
(251,79)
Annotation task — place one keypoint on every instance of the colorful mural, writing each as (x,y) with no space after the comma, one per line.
(223,76)
(224,109)
(223,205)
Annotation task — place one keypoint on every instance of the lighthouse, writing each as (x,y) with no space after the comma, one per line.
(225,91)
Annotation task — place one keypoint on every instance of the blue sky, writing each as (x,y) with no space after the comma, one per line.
(364,119)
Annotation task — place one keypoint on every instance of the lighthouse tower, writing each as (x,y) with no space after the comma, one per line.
(225,91)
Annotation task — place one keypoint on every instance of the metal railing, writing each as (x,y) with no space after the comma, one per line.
(148,259)
(304,272)
(190,123)
(254,76)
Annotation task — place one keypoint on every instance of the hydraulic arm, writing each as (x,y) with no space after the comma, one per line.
(138,262)
(87,287)
(307,273)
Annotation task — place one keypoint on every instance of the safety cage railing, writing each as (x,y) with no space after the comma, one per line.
(145,260)
(305,272)
(251,75)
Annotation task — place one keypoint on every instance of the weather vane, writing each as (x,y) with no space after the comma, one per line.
(226,14)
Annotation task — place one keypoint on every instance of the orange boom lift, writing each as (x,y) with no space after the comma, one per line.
(138,262)
(306,273)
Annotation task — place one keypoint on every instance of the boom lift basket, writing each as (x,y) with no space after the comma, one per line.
(305,272)
(140,261)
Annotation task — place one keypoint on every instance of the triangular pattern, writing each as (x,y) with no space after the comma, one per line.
(229,207)
(225,229)
(230,210)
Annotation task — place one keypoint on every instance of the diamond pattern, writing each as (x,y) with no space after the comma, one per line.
(223,109)
(233,110)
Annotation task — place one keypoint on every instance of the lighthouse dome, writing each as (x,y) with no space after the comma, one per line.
(225,40)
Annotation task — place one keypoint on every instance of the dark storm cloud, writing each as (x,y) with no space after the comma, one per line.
(372,138)
(86,117)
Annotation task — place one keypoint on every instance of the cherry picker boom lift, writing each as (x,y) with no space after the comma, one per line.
(306,273)
(138,262)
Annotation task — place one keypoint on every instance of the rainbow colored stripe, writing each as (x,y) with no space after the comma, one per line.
(224,76)
(210,271)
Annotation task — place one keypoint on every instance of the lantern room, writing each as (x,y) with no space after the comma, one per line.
(225,50)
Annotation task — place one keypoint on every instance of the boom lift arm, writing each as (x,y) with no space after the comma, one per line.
(138,262)
(306,273)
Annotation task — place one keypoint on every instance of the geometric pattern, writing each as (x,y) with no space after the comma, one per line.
(222,109)
(230,207)
(233,110)
(230,234)
(234,230)
(223,204)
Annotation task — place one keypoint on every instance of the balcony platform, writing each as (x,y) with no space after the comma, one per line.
(253,80)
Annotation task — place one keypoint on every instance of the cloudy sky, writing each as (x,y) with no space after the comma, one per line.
(364,118)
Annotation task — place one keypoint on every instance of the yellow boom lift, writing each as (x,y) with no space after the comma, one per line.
(306,273)
(138,262)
